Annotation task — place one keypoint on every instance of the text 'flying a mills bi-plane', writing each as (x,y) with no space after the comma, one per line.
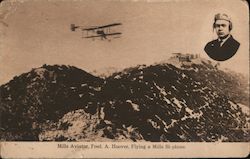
(98,31)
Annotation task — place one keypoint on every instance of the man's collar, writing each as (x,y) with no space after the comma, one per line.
(225,39)
(222,41)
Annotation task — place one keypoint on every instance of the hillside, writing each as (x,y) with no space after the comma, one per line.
(45,93)
(169,104)
(161,102)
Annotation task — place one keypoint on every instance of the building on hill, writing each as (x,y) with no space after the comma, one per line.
(184,57)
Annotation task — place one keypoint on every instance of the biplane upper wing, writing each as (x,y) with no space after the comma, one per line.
(104,26)
(118,33)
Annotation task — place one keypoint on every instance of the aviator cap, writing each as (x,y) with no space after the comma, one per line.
(222,16)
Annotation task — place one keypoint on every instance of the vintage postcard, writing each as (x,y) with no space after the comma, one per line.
(124,78)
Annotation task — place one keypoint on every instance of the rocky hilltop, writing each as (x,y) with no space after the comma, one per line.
(191,101)
(43,94)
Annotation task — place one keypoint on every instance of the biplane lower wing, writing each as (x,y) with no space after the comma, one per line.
(103,35)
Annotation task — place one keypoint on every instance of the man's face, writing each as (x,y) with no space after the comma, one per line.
(222,28)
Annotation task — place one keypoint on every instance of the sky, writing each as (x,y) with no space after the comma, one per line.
(37,32)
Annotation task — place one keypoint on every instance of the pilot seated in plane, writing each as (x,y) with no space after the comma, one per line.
(225,46)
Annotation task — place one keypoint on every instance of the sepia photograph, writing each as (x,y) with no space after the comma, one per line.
(124,78)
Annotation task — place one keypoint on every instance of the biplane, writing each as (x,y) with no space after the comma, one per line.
(98,31)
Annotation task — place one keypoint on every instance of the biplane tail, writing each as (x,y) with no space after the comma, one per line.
(73,27)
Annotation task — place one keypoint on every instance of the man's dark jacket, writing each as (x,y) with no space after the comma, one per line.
(226,51)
